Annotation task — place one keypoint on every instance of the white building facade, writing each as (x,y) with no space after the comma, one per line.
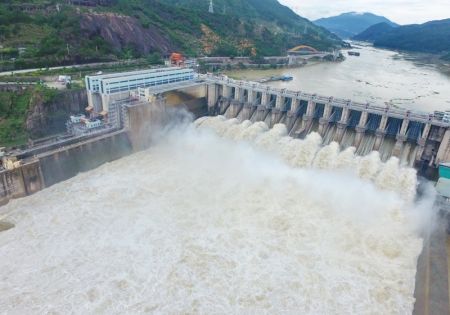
(106,88)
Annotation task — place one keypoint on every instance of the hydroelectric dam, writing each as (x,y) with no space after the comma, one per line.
(415,138)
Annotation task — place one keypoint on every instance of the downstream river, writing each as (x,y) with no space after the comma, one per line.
(378,76)
(218,218)
(223,217)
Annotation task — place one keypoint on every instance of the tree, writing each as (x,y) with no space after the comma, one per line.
(155,59)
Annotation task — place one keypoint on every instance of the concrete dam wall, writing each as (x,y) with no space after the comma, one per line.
(417,139)
(52,167)
(63,164)
(44,167)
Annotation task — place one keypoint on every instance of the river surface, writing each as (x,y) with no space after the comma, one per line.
(220,218)
(378,76)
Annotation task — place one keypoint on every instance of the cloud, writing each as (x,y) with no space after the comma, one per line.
(399,11)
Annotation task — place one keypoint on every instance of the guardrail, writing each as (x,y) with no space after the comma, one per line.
(418,116)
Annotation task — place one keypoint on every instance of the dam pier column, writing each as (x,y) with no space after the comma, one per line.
(224,101)
(379,136)
(247,111)
(380,133)
(341,125)
(265,98)
(295,105)
(325,120)
(422,142)
(227,91)
(239,94)
(444,148)
(235,108)
(360,129)
(276,112)
(213,97)
(249,106)
(261,109)
(401,138)
(291,115)
(308,118)
(251,97)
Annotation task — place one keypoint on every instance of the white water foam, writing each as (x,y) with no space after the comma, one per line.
(311,153)
(200,224)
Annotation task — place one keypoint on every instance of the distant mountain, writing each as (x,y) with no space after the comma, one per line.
(350,24)
(430,37)
(374,32)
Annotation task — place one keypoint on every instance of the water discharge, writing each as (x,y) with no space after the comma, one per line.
(219,217)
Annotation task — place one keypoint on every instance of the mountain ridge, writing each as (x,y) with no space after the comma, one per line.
(347,25)
(429,37)
(62,34)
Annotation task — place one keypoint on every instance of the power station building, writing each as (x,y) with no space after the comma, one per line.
(105,88)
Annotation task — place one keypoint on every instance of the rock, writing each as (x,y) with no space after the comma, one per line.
(46,118)
(4,226)
(125,31)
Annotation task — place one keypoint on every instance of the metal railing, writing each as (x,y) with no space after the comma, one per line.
(411,115)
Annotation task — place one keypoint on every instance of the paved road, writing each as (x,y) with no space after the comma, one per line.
(6,73)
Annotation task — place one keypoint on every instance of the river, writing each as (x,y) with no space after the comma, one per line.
(220,217)
(377,76)
(224,218)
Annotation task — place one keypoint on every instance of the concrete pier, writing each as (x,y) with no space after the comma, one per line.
(427,132)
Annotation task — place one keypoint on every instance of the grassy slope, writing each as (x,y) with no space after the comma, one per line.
(277,21)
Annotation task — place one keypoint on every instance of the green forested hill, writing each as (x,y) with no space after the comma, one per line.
(374,33)
(40,33)
(431,37)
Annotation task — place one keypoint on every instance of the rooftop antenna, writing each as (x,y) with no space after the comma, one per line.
(211,6)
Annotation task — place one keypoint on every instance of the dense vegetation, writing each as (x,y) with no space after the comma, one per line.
(431,37)
(349,24)
(53,38)
(55,35)
(14,106)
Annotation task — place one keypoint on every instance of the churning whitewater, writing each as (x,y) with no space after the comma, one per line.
(220,217)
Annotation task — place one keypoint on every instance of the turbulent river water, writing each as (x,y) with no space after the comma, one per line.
(378,76)
(218,217)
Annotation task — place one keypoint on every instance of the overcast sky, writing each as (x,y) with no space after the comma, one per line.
(399,11)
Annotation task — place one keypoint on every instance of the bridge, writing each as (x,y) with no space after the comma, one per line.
(303,49)
(303,53)
(393,131)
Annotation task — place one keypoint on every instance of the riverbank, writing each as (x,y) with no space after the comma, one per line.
(441,62)
(256,74)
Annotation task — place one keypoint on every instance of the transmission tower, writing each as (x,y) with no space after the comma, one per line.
(211,6)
